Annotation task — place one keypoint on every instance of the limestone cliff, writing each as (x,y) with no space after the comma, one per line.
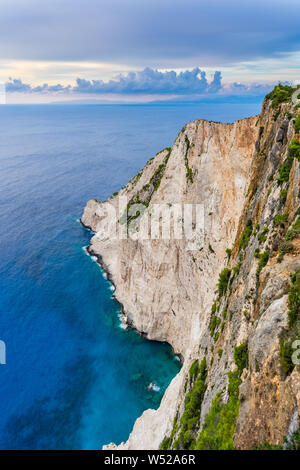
(223,304)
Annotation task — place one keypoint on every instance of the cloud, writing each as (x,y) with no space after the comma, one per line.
(188,83)
(150,81)
(156,33)
(16,85)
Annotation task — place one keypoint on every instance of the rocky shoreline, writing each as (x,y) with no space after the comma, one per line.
(228,296)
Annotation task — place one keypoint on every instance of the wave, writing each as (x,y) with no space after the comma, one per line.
(153,386)
(122,325)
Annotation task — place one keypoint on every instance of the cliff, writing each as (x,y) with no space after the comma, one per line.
(223,301)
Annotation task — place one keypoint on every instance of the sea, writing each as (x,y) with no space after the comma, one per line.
(73,377)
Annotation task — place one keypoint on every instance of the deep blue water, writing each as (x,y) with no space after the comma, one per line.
(73,379)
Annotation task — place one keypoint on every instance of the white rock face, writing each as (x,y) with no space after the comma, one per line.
(168,285)
(166,289)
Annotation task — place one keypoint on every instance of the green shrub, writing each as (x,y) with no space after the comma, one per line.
(189,421)
(145,194)
(223,281)
(189,171)
(281,219)
(237,268)
(297,124)
(280,94)
(220,352)
(166,443)
(194,370)
(286,247)
(228,252)
(214,322)
(216,337)
(263,259)
(283,195)
(240,356)
(294,299)
(293,152)
(246,235)
(294,149)
(294,230)
(263,235)
(234,383)
(219,424)
(286,352)
(284,171)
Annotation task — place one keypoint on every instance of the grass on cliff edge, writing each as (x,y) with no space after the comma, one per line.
(280,94)
(187,428)
(293,333)
(219,424)
(293,152)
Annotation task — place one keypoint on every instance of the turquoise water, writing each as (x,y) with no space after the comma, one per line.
(73,379)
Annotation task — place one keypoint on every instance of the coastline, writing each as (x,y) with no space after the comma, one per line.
(193,299)
(128,324)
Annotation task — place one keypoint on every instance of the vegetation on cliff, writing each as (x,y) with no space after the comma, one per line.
(219,424)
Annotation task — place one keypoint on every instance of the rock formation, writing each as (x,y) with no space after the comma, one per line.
(228,302)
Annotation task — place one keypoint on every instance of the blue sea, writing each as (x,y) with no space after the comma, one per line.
(74,379)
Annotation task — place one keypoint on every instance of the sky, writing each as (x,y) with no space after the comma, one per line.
(146,50)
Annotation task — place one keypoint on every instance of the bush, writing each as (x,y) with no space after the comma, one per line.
(286,352)
(284,171)
(189,421)
(283,195)
(194,370)
(263,235)
(234,383)
(263,259)
(297,124)
(286,247)
(166,443)
(280,94)
(240,356)
(294,299)
(293,152)
(246,235)
(214,322)
(237,268)
(294,149)
(223,281)
(281,219)
(228,252)
(219,424)
(294,230)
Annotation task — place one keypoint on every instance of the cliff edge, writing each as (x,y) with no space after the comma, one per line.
(226,298)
